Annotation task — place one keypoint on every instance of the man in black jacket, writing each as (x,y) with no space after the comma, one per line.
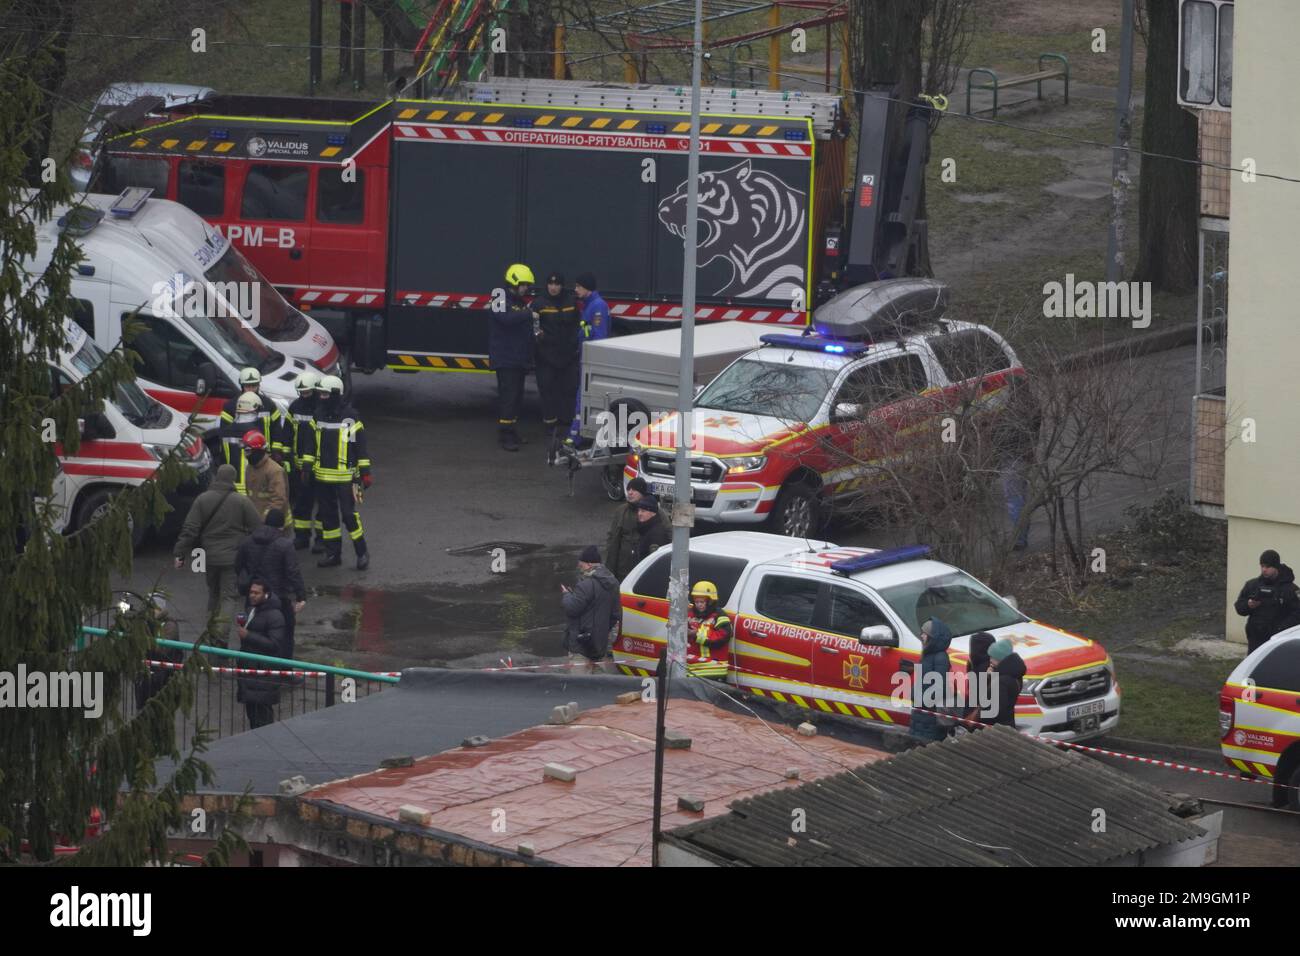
(593,609)
(262,632)
(651,533)
(268,553)
(558,340)
(1269,602)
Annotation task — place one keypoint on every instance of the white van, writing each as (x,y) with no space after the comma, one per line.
(121,444)
(130,256)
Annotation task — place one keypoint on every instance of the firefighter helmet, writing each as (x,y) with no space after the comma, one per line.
(330,383)
(519,274)
(705,589)
(248,402)
(307,381)
(254,440)
(250,376)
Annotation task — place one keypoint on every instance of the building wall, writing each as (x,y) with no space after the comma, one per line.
(1262,480)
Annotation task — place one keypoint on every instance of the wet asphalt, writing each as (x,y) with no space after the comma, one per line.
(445,497)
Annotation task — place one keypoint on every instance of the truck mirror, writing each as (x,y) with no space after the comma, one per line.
(847,410)
(208,379)
(878,635)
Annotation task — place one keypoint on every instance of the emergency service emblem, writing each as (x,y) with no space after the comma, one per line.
(855,671)
(256,146)
(719,421)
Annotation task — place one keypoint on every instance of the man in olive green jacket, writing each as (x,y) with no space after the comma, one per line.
(623,536)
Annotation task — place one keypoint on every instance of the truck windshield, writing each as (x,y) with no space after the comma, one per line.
(277,319)
(790,392)
(955,598)
(136,407)
(235,342)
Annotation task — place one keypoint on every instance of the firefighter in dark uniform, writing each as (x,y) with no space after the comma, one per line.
(558,340)
(302,452)
(340,451)
(250,381)
(708,632)
(247,414)
(510,352)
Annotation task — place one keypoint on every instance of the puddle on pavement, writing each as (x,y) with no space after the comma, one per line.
(515,615)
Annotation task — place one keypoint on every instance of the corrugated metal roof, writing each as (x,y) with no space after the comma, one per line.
(995,798)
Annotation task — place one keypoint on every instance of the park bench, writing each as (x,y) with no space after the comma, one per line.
(1058,73)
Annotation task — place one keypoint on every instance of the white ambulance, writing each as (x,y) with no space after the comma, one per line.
(139,258)
(121,444)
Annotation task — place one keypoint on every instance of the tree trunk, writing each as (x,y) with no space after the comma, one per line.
(1167,197)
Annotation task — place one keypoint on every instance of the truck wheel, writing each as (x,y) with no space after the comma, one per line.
(1292,780)
(797,512)
(611,479)
(97,503)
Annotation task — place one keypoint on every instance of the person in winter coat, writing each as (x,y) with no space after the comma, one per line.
(593,609)
(935,638)
(1010,668)
(510,352)
(261,633)
(1269,602)
(264,479)
(651,532)
(268,553)
(217,522)
(622,537)
(167,629)
(595,325)
(978,663)
(558,342)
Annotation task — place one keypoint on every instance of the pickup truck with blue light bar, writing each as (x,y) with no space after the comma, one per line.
(827,629)
(772,433)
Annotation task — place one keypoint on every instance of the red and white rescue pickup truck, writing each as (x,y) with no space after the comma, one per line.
(774,431)
(1259,714)
(827,628)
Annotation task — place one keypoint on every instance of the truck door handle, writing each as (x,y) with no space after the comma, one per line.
(295,253)
(827,650)
(762,635)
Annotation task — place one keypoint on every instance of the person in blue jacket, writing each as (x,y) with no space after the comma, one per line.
(510,352)
(594,324)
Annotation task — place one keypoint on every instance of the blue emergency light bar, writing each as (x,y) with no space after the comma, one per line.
(799,134)
(880,559)
(336,139)
(523,122)
(814,343)
(218,134)
(131,201)
(656,129)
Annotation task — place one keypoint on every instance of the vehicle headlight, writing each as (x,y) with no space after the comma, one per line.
(1031,686)
(736,466)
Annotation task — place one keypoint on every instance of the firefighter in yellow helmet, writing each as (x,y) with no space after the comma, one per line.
(708,633)
(510,351)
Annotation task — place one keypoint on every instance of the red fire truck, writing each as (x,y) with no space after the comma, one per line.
(393,222)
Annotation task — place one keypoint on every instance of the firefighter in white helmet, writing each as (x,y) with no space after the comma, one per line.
(302,452)
(250,382)
(339,454)
(248,415)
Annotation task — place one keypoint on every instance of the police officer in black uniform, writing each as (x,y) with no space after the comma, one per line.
(510,352)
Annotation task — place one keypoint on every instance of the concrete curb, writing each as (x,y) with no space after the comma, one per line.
(1148,748)
(1138,345)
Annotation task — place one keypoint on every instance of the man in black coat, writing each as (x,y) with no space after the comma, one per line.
(593,609)
(269,553)
(1269,602)
(262,632)
(651,533)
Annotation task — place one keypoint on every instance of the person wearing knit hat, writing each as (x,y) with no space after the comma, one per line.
(593,611)
(652,533)
(268,553)
(1270,603)
(559,344)
(1010,668)
(217,522)
(622,536)
(594,324)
